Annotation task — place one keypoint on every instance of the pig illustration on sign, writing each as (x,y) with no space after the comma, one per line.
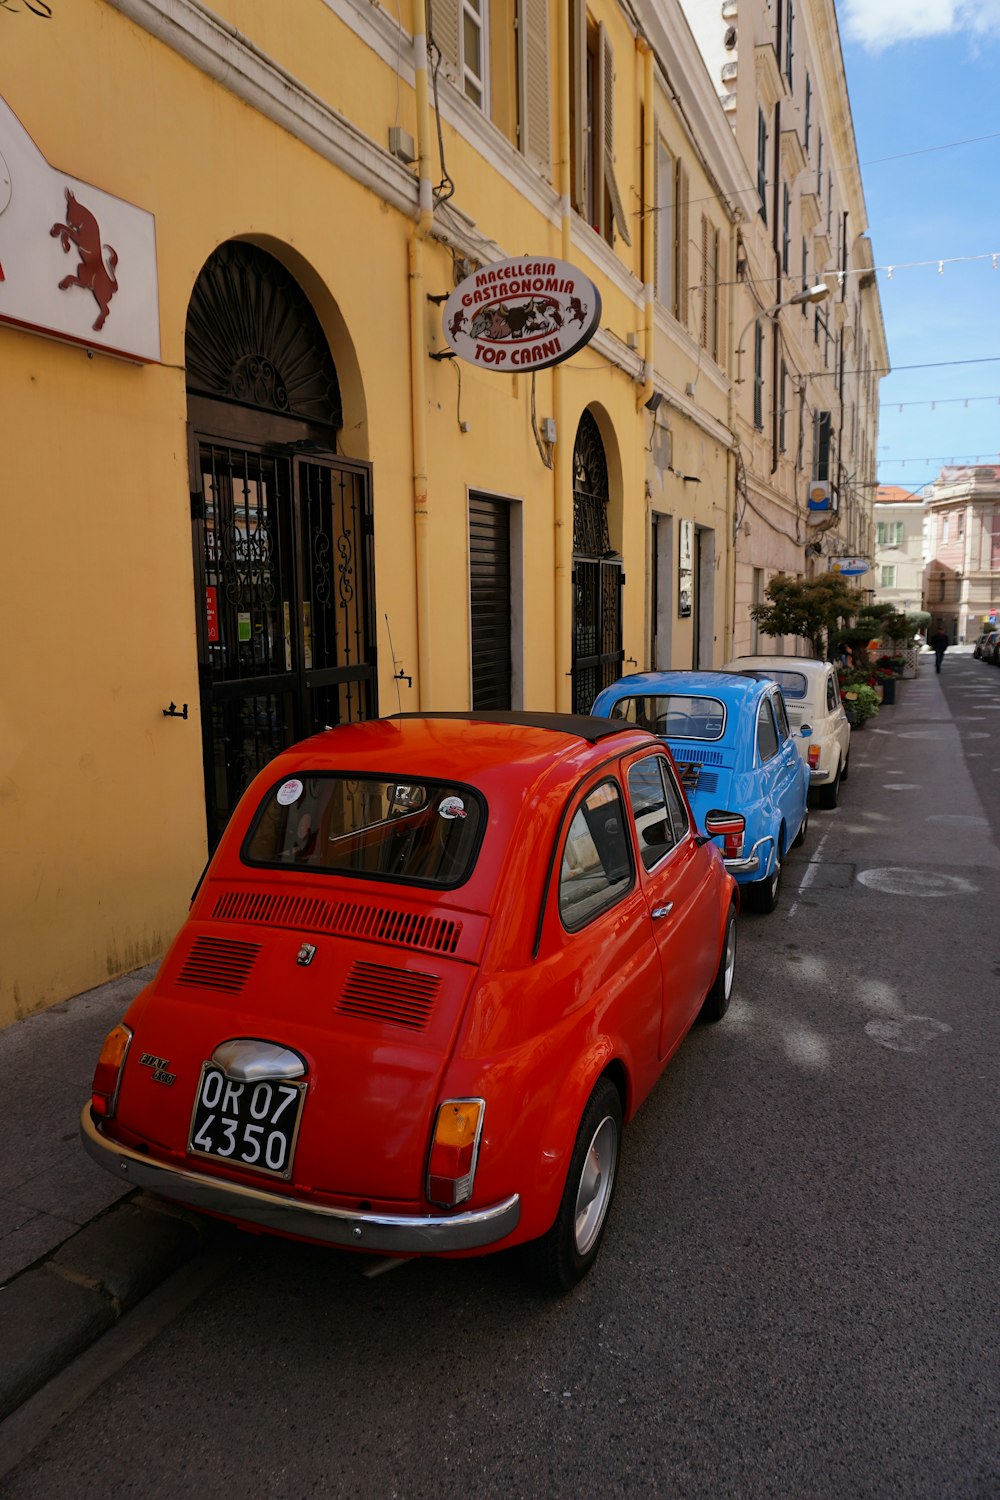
(82,232)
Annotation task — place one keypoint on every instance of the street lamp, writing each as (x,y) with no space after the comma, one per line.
(815,293)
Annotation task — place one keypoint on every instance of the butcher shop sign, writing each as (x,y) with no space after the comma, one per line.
(522,314)
(76,263)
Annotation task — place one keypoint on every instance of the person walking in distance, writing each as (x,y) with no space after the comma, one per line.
(939,644)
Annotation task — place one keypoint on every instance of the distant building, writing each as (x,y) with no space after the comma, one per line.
(962,550)
(899,548)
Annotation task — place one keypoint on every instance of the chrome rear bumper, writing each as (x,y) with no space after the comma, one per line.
(390,1234)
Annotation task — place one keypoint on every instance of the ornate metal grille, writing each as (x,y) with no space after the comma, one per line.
(253,338)
(283,528)
(597,573)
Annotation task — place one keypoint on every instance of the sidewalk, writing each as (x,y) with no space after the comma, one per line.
(76,1251)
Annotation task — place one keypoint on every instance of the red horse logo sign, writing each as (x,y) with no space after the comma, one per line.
(82,232)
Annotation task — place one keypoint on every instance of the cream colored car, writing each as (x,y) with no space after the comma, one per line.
(815,712)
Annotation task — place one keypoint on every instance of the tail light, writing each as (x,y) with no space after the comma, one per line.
(108,1073)
(813,757)
(730,827)
(455,1151)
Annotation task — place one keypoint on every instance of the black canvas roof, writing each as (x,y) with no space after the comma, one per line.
(584,726)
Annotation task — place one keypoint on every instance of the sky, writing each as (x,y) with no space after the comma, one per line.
(924,76)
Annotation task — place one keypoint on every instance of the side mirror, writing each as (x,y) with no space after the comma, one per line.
(724,824)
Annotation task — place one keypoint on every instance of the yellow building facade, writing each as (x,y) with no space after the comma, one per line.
(247,491)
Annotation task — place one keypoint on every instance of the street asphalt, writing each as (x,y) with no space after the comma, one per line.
(77,1250)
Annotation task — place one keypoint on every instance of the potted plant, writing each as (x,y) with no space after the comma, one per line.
(860,703)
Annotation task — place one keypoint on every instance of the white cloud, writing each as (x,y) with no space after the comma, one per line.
(877,24)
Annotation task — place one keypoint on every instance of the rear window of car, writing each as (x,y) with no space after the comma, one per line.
(674,716)
(792,684)
(379,828)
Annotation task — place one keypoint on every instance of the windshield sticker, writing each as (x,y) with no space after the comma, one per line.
(289,792)
(452,807)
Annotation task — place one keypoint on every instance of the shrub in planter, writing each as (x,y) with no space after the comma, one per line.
(860,703)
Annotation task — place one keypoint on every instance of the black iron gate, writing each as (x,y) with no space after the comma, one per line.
(598,579)
(286,635)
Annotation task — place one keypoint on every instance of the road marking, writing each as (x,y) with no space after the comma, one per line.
(902,786)
(810,873)
(965,820)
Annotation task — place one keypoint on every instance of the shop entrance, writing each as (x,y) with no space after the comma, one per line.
(597,574)
(282,527)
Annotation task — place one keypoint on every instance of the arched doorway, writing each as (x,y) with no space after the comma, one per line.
(597,573)
(282,526)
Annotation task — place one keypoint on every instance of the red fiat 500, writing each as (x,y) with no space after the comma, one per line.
(432,967)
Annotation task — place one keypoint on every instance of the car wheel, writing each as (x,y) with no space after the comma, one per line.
(829,796)
(800,837)
(563,1257)
(764,893)
(716,1002)
(846,767)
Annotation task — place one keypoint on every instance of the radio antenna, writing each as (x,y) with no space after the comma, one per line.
(397,676)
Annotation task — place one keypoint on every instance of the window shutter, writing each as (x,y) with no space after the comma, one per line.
(533,83)
(604,155)
(578,101)
(706,290)
(681,299)
(445,35)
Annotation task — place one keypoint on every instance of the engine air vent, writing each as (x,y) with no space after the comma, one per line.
(381,924)
(218,964)
(376,992)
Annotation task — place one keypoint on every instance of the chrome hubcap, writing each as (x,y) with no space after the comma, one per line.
(594,1192)
(730,968)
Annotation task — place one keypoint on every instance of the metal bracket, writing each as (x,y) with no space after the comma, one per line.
(173,712)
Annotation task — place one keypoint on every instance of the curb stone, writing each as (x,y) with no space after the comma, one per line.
(57,1308)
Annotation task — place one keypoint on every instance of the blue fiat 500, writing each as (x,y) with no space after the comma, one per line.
(735,752)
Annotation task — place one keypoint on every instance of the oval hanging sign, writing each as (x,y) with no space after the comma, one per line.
(850,567)
(522,314)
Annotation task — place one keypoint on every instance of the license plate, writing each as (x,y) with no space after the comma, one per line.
(249,1124)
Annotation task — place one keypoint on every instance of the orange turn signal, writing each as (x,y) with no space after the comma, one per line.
(108,1073)
(455,1151)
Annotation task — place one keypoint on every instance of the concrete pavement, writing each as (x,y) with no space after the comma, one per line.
(76,1250)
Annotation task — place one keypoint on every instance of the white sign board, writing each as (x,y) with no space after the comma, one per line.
(522,314)
(850,567)
(75,262)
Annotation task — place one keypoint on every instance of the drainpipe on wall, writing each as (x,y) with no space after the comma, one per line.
(648,164)
(418,363)
(562,468)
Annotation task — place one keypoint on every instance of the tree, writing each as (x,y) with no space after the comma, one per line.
(811,607)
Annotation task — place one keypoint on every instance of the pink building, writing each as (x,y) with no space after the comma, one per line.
(961,586)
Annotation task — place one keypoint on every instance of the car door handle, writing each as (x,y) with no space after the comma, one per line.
(662,911)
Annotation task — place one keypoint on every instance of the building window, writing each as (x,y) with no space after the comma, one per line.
(473,45)
(889,533)
(822,437)
(497,51)
(670,219)
(944,528)
(888,577)
(789,51)
(709,287)
(762,163)
(595,192)
(782,406)
(758,375)
(786,233)
(819,163)
(807,128)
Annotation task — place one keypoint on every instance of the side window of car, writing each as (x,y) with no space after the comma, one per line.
(679,816)
(832,695)
(781,715)
(596,868)
(648,798)
(767,735)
